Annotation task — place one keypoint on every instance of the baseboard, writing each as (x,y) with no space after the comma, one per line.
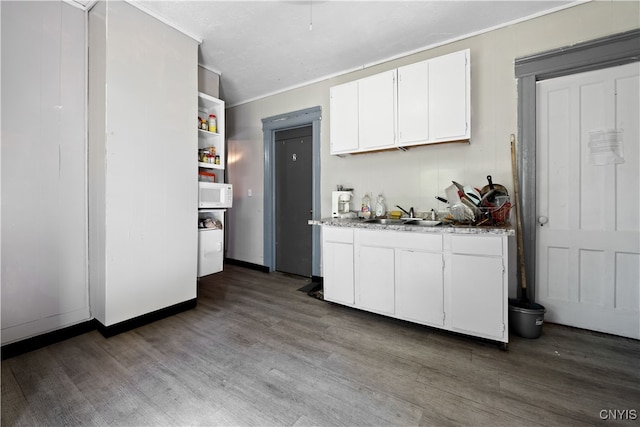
(317,279)
(245,264)
(43,340)
(127,325)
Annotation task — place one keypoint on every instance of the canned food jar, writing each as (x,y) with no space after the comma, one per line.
(212,123)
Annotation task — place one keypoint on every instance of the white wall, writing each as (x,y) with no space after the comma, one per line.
(97,157)
(143,150)
(413,178)
(44,221)
(208,82)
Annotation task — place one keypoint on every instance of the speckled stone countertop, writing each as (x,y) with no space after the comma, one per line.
(443,228)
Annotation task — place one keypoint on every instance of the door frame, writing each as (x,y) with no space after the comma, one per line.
(270,125)
(605,52)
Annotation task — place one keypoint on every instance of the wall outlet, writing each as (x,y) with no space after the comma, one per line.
(249,192)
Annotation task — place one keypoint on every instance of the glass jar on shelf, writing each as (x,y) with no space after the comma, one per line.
(213,126)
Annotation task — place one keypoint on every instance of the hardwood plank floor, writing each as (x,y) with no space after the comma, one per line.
(255,351)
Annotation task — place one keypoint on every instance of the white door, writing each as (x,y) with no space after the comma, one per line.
(588,242)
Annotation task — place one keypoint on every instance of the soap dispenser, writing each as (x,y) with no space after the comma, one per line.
(381,210)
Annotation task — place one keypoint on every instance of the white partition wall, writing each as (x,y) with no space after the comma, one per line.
(142,163)
(44,213)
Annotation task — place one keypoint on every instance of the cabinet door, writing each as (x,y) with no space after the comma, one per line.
(210,251)
(337,270)
(413,103)
(376,107)
(375,279)
(449,100)
(477,295)
(343,108)
(419,292)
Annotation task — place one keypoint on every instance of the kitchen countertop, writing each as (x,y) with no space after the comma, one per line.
(443,228)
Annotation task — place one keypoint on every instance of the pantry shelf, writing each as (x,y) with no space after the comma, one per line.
(208,106)
(210,166)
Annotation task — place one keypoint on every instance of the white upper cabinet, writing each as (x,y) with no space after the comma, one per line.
(363,114)
(343,107)
(428,101)
(449,97)
(413,103)
(376,107)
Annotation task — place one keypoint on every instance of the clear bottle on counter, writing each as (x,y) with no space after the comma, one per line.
(366,206)
(381,209)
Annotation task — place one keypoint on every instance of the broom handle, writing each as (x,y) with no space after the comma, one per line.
(523,276)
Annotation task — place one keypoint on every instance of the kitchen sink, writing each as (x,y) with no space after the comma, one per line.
(385,221)
(422,222)
(405,221)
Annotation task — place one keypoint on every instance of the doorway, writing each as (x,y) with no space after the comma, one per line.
(588,234)
(270,126)
(611,51)
(293,193)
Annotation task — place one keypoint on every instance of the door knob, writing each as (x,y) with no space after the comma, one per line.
(542,220)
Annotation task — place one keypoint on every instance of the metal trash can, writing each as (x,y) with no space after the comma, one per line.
(526,320)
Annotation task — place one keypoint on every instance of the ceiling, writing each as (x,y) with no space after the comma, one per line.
(264,47)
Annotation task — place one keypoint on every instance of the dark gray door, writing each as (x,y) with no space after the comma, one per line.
(293,165)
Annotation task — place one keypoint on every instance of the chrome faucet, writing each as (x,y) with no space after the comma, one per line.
(410,213)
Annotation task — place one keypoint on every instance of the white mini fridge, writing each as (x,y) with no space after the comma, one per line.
(210,241)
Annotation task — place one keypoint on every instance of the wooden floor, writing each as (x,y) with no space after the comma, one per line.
(256,351)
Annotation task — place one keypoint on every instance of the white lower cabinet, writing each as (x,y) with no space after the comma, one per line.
(374,270)
(375,279)
(419,286)
(449,281)
(477,296)
(478,286)
(210,251)
(338,265)
(400,274)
